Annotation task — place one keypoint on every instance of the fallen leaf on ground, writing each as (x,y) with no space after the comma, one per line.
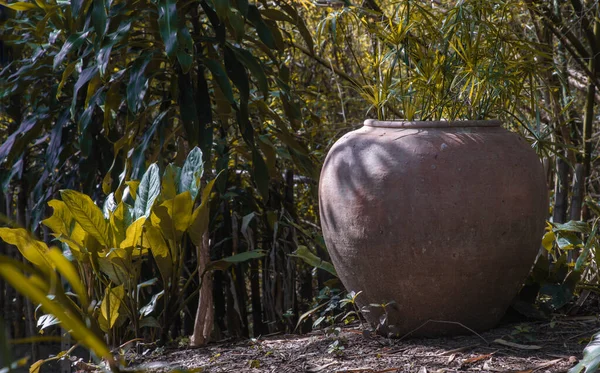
(477,358)
(517,345)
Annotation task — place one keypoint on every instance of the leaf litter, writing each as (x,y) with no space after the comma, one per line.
(546,347)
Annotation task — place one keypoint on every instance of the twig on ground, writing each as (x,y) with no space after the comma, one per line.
(444,322)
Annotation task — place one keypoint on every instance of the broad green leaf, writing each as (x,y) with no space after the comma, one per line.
(170,181)
(199,221)
(70,322)
(109,205)
(134,234)
(32,249)
(180,209)
(191,173)
(147,192)
(591,357)
(173,216)
(168,25)
(572,226)
(119,221)
(87,214)
(138,82)
(19,6)
(117,266)
(69,273)
(74,41)
(160,252)
(111,304)
(225,263)
(311,259)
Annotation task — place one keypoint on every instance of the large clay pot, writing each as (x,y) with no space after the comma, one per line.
(442,218)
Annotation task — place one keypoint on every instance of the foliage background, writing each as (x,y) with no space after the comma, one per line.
(92,92)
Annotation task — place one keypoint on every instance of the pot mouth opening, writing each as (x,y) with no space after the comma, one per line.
(431,124)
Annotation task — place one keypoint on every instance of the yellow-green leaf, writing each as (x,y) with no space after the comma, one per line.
(61,219)
(87,214)
(19,6)
(32,249)
(199,222)
(160,251)
(70,322)
(134,234)
(133,187)
(548,241)
(118,224)
(111,304)
(35,367)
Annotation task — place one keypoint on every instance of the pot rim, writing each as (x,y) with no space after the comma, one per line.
(431,124)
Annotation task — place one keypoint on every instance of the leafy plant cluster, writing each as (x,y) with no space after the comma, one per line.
(123,266)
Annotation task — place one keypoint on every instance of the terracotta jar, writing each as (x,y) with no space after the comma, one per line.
(442,219)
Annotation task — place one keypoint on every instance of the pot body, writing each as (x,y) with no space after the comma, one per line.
(443,219)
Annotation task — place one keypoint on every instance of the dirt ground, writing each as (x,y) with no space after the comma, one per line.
(519,347)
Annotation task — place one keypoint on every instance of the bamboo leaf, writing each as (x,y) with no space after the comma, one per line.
(168,25)
(74,41)
(99,19)
(19,6)
(138,82)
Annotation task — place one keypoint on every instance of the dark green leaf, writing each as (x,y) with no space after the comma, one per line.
(187,107)
(138,82)
(99,19)
(221,77)
(221,8)
(263,31)
(260,173)
(168,24)
(225,263)
(73,41)
(103,55)
(185,49)
(255,67)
